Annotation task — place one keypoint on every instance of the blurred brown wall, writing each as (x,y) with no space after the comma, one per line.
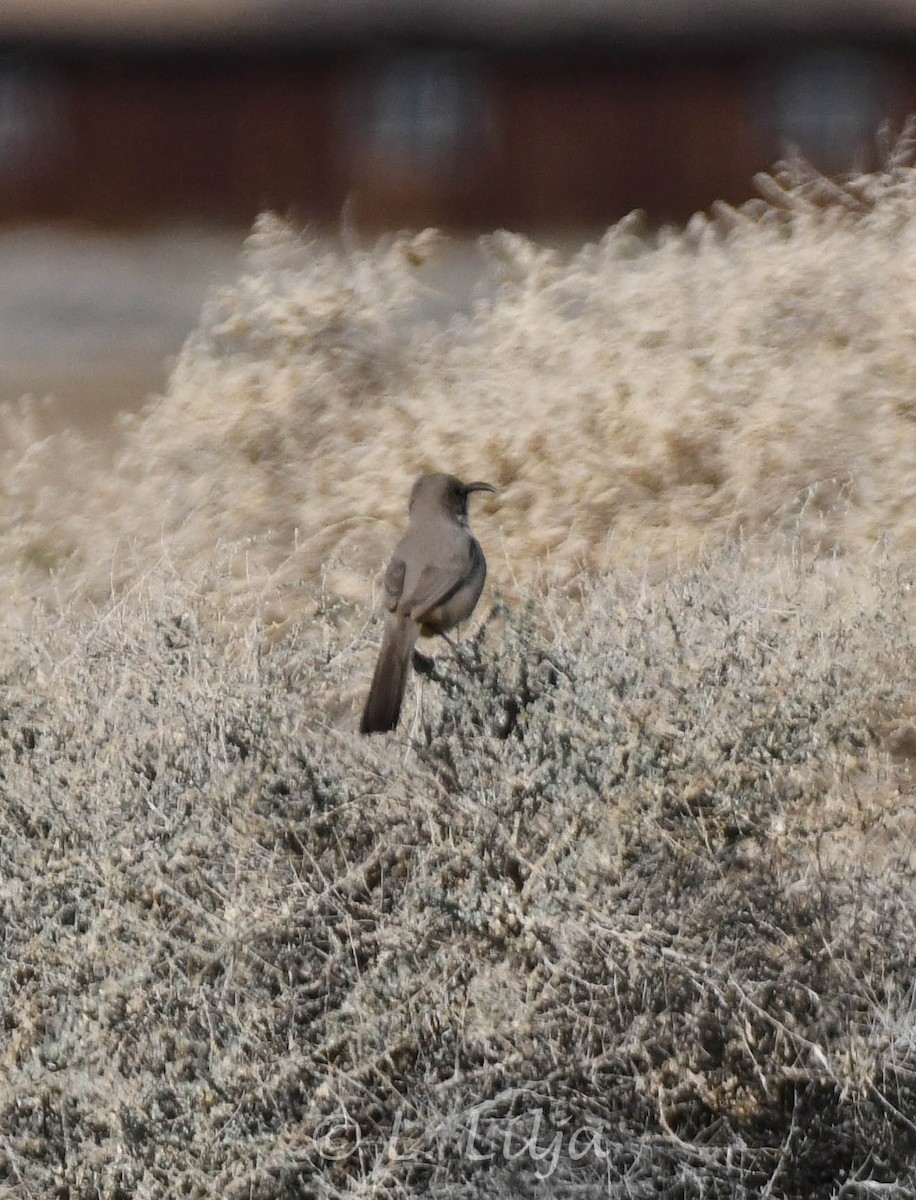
(571,139)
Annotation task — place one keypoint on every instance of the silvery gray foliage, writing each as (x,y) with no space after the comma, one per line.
(624,908)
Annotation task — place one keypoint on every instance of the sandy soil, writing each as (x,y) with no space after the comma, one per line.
(95,319)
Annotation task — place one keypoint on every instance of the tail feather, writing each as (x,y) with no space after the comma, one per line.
(383,704)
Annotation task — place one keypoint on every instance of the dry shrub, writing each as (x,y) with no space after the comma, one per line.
(651,394)
(642,868)
(625,908)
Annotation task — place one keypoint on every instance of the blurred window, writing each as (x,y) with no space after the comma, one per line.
(828,104)
(421,110)
(27,115)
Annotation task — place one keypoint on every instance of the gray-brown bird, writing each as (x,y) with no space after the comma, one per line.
(433,581)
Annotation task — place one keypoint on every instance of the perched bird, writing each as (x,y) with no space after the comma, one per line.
(433,581)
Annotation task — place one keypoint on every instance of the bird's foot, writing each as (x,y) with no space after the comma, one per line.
(423,664)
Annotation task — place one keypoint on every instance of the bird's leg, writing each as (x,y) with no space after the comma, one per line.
(453,646)
(425,664)
(457,652)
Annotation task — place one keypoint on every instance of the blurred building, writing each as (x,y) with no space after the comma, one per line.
(524,113)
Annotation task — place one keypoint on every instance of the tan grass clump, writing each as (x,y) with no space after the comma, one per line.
(652,394)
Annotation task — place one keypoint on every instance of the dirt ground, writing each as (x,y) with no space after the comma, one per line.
(95,319)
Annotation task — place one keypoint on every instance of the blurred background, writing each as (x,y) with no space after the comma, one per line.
(139,138)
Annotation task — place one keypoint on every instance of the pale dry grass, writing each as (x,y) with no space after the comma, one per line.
(643,867)
(646,397)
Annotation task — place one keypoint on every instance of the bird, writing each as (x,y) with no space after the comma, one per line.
(433,582)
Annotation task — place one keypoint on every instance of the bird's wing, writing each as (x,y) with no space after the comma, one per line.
(439,580)
(394,582)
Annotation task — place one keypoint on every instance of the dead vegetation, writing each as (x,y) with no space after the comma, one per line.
(626,908)
(629,908)
(650,394)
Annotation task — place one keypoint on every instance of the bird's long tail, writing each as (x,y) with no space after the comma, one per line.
(383,704)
